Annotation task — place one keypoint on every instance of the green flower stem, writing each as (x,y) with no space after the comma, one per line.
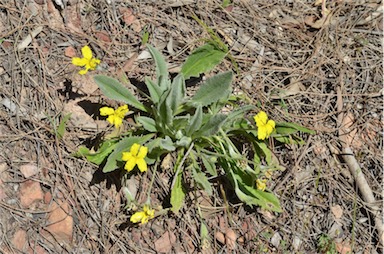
(180,165)
(151,183)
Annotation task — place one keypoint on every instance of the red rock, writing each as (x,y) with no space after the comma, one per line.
(19,240)
(47,197)
(70,51)
(30,192)
(103,36)
(37,249)
(220,237)
(7,44)
(29,170)
(165,242)
(230,239)
(343,248)
(60,222)
(128,16)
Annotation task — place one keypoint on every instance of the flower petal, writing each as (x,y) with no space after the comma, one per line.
(271,123)
(111,119)
(87,52)
(118,121)
(142,152)
(93,63)
(261,184)
(130,164)
(122,111)
(137,217)
(135,149)
(269,128)
(144,220)
(106,111)
(146,208)
(261,133)
(79,61)
(142,165)
(82,72)
(261,118)
(149,212)
(126,156)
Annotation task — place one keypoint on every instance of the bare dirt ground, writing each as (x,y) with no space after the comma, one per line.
(319,64)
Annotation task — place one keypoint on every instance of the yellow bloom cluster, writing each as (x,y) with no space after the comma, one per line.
(86,61)
(261,184)
(136,156)
(115,117)
(143,216)
(264,126)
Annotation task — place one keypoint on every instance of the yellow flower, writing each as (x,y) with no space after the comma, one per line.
(87,61)
(264,126)
(268,173)
(261,184)
(134,157)
(143,216)
(115,117)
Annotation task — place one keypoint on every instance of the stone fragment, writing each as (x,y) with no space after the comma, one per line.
(30,192)
(29,170)
(165,242)
(70,51)
(276,239)
(19,240)
(60,221)
(230,239)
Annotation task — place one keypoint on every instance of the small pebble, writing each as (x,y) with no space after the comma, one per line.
(275,240)
(11,201)
(296,243)
(220,237)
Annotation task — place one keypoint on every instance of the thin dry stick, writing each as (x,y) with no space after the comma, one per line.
(357,173)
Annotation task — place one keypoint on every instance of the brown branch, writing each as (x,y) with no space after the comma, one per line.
(357,173)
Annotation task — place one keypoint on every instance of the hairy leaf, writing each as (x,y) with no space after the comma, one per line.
(116,91)
(165,110)
(212,126)
(62,124)
(99,156)
(167,144)
(290,139)
(213,89)
(203,59)
(202,180)
(177,194)
(161,65)
(204,235)
(177,92)
(148,123)
(268,154)
(238,113)
(154,90)
(269,200)
(209,163)
(196,121)
(290,128)
(252,196)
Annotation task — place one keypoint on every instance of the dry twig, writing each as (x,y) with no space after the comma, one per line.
(357,173)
